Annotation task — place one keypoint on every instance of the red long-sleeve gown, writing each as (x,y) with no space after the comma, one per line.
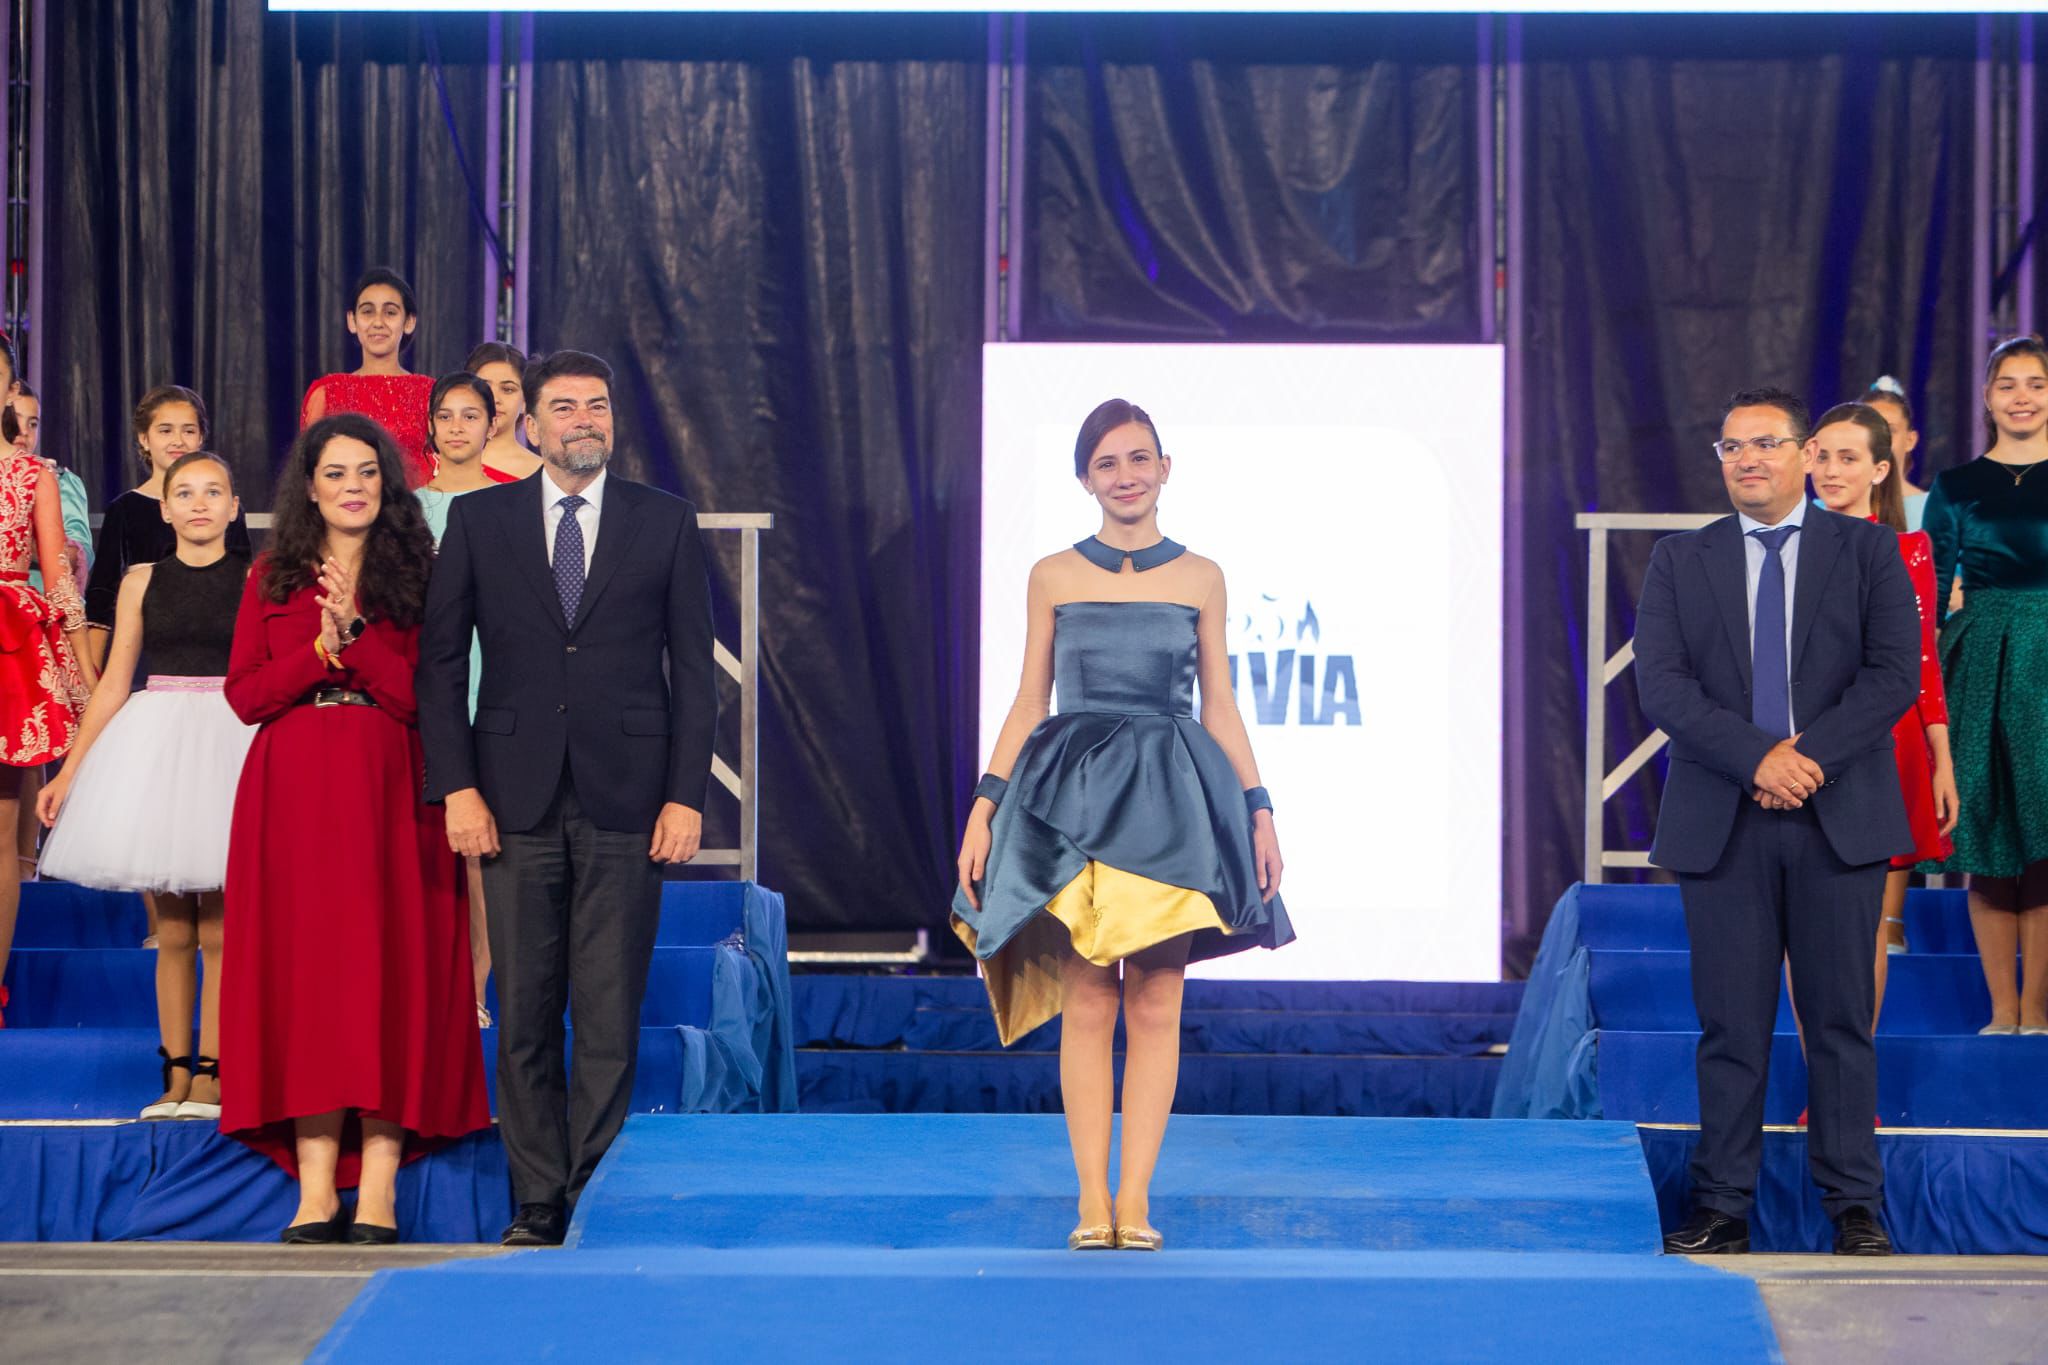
(1909,732)
(347,976)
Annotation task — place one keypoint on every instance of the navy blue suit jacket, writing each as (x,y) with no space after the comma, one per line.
(596,696)
(1855,669)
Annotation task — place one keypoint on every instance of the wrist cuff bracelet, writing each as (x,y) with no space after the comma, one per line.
(1256,799)
(992,787)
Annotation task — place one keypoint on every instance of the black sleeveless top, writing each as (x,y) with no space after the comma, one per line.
(188,616)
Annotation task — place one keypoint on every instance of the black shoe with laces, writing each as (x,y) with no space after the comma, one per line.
(1708,1233)
(538,1225)
(1858,1233)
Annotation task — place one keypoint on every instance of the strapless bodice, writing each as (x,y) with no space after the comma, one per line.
(1125,658)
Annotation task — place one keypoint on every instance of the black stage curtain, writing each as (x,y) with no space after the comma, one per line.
(1250,179)
(773,231)
(217,178)
(1712,204)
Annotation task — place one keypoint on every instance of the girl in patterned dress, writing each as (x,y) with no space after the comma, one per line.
(42,638)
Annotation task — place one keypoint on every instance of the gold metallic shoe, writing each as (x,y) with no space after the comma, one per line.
(1139,1239)
(1100,1237)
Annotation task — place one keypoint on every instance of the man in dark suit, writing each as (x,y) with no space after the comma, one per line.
(1776,647)
(584,771)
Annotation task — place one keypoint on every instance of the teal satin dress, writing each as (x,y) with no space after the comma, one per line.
(1125,779)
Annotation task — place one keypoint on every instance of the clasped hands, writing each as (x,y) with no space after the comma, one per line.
(1786,779)
(473,830)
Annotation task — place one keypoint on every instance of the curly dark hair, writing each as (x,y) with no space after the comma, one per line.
(392,583)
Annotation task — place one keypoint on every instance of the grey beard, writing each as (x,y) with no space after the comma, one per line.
(579,463)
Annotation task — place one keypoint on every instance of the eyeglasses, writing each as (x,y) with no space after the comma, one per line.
(1728,452)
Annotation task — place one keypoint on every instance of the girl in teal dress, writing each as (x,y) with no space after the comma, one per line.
(1122,832)
(1988,519)
(459,416)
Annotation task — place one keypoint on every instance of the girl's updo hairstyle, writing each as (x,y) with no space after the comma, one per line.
(397,555)
(1887,499)
(458,379)
(1107,417)
(163,395)
(495,353)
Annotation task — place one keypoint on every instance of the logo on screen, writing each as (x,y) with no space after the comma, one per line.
(1288,673)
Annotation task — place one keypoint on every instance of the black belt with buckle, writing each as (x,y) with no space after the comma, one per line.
(341,696)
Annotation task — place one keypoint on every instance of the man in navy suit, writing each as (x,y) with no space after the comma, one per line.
(1776,647)
(584,771)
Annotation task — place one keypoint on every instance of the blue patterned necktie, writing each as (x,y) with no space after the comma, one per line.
(1770,693)
(569,558)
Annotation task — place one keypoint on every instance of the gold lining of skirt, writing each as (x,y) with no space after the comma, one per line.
(1104,915)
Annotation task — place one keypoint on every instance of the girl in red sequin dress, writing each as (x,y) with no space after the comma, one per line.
(1853,472)
(42,689)
(382,313)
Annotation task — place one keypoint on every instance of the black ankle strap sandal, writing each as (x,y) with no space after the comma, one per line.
(166,1109)
(193,1109)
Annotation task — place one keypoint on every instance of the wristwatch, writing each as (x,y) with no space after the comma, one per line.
(354,632)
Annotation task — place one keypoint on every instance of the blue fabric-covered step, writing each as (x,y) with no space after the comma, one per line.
(60,915)
(80,1073)
(967,1180)
(1651,916)
(1924,1082)
(852,1306)
(890,1011)
(1029,1082)
(116,988)
(1247,1030)
(1652,992)
(1946,1194)
(183,1181)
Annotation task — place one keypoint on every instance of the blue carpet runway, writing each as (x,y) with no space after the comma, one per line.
(855,1238)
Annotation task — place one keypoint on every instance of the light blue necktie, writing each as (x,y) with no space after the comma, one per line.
(569,558)
(1770,692)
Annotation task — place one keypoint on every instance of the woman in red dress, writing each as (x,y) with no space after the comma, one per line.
(42,641)
(347,1037)
(1853,473)
(382,313)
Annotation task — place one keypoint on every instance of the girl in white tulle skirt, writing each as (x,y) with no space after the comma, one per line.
(144,798)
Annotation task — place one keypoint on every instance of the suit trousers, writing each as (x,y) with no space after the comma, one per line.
(1781,892)
(573,911)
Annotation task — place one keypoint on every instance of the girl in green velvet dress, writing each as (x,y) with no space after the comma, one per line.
(1988,519)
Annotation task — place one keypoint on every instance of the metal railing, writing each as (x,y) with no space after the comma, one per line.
(1602,669)
(743,668)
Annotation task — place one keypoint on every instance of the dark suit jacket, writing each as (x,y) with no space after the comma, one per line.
(595,697)
(1855,670)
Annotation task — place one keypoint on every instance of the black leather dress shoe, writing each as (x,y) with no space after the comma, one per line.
(372,1235)
(538,1225)
(1858,1233)
(316,1234)
(1707,1233)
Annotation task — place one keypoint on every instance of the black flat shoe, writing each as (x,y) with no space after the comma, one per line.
(1707,1233)
(333,1230)
(1858,1233)
(372,1235)
(538,1225)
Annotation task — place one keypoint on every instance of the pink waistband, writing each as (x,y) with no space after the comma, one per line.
(168,682)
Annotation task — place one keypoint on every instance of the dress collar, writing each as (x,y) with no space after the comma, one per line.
(1111,560)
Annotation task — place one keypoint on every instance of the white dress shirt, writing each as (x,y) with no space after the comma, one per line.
(551,496)
(1753,561)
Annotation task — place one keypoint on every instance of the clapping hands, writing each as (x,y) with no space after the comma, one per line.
(337,603)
